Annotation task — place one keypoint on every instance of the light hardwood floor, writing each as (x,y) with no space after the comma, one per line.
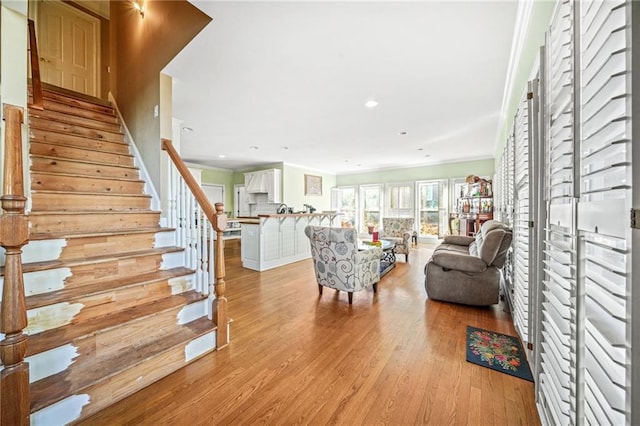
(295,358)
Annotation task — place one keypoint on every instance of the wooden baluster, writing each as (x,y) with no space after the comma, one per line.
(220,302)
(218,220)
(14,233)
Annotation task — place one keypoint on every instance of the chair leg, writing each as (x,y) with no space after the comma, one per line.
(375,287)
(320,289)
(350,294)
(406,257)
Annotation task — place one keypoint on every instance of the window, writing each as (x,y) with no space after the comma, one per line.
(432,208)
(370,196)
(399,200)
(345,205)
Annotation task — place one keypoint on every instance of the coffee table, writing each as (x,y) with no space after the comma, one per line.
(388,257)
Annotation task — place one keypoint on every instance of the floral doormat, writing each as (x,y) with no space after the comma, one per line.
(497,351)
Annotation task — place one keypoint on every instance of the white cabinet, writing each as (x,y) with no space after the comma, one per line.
(278,240)
(265,182)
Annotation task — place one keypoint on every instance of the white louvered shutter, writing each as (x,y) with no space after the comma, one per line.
(557,388)
(521,223)
(603,210)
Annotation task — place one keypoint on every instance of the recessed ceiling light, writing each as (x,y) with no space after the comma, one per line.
(403,133)
(371,103)
(427,155)
(346,161)
(420,149)
(187,129)
(221,156)
(253,147)
(285,147)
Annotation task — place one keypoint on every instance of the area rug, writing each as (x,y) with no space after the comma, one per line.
(497,351)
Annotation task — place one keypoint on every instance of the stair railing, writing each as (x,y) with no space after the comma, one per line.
(36,82)
(199,230)
(14,234)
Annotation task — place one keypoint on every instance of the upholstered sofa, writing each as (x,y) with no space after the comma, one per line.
(399,230)
(467,270)
(339,264)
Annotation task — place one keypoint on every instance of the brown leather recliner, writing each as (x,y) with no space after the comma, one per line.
(466,270)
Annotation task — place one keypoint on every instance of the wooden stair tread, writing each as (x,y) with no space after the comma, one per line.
(101,194)
(71,102)
(53,264)
(95,163)
(63,137)
(76,130)
(49,89)
(55,236)
(88,148)
(53,338)
(62,117)
(72,293)
(87,212)
(74,175)
(98,369)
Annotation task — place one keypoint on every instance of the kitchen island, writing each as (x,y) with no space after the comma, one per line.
(272,240)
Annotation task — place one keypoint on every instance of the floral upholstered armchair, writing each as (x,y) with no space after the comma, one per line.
(339,264)
(399,230)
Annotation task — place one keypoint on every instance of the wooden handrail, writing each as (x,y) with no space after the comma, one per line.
(36,82)
(14,233)
(218,220)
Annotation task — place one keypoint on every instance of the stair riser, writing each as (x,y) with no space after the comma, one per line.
(87,223)
(42,164)
(75,102)
(72,202)
(75,120)
(121,385)
(50,182)
(113,270)
(72,140)
(73,153)
(94,306)
(80,112)
(140,334)
(81,248)
(59,127)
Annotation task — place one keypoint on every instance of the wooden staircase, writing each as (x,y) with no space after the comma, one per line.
(111,307)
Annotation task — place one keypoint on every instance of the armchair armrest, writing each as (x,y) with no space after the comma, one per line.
(406,236)
(459,240)
(458,261)
(364,256)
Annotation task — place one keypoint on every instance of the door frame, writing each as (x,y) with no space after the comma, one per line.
(34,14)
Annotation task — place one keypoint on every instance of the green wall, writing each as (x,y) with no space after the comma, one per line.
(538,25)
(221,177)
(293,188)
(438,171)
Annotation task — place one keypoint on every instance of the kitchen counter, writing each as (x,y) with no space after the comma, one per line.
(273,240)
(297,215)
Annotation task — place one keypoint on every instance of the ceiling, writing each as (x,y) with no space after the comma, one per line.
(270,82)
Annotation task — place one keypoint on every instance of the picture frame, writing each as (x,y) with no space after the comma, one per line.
(312,185)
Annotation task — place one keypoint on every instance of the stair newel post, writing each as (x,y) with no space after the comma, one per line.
(14,233)
(219,308)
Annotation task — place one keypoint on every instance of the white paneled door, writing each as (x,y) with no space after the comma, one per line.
(68,45)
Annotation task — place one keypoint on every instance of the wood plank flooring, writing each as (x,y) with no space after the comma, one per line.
(295,358)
